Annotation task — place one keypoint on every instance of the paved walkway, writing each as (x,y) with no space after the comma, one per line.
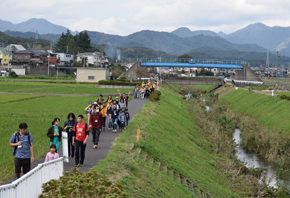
(94,156)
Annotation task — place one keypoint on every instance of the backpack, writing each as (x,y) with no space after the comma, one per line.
(14,141)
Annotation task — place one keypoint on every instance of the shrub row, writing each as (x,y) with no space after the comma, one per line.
(114,82)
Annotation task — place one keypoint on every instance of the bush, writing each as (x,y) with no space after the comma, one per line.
(284,97)
(114,82)
(82,184)
(155,96)
(13,74)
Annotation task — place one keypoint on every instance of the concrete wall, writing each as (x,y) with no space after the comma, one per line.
(92,74)
(131,73)
(248,74)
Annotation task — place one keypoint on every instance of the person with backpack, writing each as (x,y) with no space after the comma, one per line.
(96,123)
(68,126)
(52,154)
(54,133)
(127,116)
(80,137)
(23,149)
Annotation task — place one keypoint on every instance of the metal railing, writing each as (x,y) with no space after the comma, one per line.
(30,184)
(189,60)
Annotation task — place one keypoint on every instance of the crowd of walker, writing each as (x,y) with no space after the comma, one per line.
(116,110)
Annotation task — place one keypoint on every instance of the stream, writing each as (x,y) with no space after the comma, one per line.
(252,160)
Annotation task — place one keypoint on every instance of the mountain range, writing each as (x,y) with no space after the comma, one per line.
(32,25)
(255,37)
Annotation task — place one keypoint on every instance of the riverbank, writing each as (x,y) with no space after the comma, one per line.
(171,135)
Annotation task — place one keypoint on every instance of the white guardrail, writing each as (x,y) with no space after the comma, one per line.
(30,184)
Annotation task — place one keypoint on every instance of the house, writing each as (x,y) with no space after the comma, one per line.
(85,74)
(64,59)
(38,57)
(5,56)
(94,59)
(15,48)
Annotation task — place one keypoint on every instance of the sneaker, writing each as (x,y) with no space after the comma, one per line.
(109,129)
(95,146)
(77,165)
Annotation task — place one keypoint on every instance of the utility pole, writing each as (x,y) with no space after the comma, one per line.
(277,69)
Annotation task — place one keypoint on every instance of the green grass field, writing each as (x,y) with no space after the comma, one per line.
(57,88)
(169,134)
(271,112)
(38,111)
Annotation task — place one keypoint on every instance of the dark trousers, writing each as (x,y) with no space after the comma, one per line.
(71,149)
(104,118)
(96,135)
(80,150)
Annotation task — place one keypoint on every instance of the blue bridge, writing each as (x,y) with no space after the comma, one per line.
(198,63)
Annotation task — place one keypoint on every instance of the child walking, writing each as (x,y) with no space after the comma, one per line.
(52,154)
(122,119)
(127,116)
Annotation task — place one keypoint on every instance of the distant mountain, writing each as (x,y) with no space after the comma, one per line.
(254,58)
(26,42)
(50,37)
(260,34)
(186,32)
(32,25)
(222,34)
(5,25)
(167,42)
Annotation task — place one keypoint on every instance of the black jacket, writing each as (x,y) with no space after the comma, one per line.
(50,133)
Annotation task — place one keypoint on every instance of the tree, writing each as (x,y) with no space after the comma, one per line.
(141,72)
(205,72)
(116,73)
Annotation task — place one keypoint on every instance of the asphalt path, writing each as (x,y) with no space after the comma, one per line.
(107,137)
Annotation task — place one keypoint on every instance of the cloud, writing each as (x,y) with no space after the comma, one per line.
(125,17)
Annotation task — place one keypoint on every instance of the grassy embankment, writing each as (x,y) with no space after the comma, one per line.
(170,135)
(37,111)
(266,128)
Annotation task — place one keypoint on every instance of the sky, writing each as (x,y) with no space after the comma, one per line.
(124,17)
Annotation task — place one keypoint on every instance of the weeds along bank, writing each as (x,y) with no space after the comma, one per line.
(195,148)
(265,125)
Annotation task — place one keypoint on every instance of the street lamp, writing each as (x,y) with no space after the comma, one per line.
(48,64)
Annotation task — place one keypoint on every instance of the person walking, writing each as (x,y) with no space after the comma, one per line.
(125,97)
(23,149)
(96,122)
(122,104)
(52,154)
(54,133)
(122,119)
(68,126)
(80,137)
(127,116)
(104,113)
(114,114)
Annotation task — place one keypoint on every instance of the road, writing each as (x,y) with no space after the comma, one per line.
(94,156)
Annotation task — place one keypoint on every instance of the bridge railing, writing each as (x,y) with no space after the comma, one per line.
(189,60)
(30,184)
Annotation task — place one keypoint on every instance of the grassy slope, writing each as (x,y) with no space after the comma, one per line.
(271,112)
(169,134)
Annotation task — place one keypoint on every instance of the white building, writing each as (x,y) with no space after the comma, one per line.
(94,58)
(64,58)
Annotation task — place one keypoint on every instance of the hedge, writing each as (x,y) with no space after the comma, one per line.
(114,82)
